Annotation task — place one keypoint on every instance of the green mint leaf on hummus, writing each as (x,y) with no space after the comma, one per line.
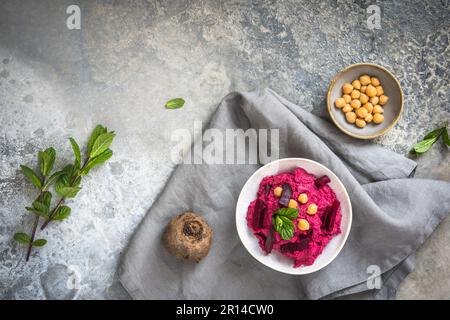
(282,222)
(291,213)
(175,103)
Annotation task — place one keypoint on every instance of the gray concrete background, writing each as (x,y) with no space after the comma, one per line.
(131,56)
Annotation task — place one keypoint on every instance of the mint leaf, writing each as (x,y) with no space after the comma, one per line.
(102,144)
(46,160)
(52,179)
(446,138)
(76,152)
(291,213)
(428,141)
(66,191)
(62,213)
(99,129)
(70,172)
(39,208)
(284,226)
(39,243)
(277,223)
(287,232)
(101,158)
(32,176)
(46,198)
(434,134)
(175,103)
(22,238)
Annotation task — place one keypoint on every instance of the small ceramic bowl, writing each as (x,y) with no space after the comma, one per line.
(276,260)
(392,110)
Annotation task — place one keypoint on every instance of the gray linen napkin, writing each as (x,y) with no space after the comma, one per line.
(392,215)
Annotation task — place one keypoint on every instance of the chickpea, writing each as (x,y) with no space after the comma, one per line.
(374,100)
(378,109)
(347,108)
(375,81)
(356,84)
(360,123)
(378,118)
(303,225)
(380,90)
(292,204)
(339,102)
(363,89)
(371,91)
(303,198)
(351,117)
(369,107)
(383,99)
(364,79)
(278,191)
(368,118)
(347,88)
(312,209)
(355,94)
(356,104)
(347,98)
(363,98)
(362,113)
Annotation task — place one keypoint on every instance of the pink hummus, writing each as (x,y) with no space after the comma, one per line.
(305,246)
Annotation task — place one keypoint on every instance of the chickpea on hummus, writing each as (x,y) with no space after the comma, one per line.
(296,214)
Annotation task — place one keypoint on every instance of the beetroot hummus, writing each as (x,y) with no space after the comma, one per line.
(309,215)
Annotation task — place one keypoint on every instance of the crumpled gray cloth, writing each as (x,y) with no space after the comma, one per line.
(392,215)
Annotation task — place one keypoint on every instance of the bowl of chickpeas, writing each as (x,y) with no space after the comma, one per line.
(365,100)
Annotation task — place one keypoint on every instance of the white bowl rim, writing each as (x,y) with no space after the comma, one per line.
(298,271)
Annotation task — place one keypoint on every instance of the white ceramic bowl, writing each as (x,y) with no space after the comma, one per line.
(276,260)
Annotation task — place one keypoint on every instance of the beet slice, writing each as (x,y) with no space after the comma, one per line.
(270,240)
(291,247)
(330,216)
(285,195)
(267,189)
(259,214)
(320,182)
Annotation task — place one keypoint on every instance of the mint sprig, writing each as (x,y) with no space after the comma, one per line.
(282,222)
(430,139)
(41,205)
(66,182)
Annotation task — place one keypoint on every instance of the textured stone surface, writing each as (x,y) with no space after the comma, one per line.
(130,57)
